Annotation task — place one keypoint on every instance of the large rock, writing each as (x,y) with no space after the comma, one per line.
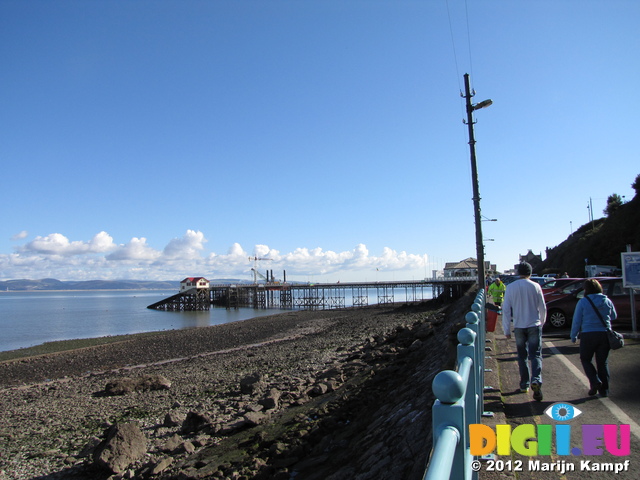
(253,384)
(162,465)
(124,444)
(255,418)
(125,385)
(196,422)
(176,445)
(173,419)
(271,400)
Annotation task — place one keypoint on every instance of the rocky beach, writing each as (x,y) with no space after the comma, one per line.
(313,395)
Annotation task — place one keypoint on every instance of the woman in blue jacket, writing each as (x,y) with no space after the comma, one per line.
(593,335)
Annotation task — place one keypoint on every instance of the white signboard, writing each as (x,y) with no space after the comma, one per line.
(631,269)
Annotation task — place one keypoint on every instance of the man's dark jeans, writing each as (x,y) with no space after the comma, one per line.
(529,346)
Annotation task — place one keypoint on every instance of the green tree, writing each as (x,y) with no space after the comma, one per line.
(614,202)
(636,185)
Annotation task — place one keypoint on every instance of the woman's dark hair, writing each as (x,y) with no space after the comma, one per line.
(591,285)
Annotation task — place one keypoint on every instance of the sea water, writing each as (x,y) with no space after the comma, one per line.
(33,318)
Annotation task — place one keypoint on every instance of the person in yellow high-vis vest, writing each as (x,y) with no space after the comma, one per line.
(496,291)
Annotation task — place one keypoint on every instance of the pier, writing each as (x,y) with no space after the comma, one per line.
(317,296)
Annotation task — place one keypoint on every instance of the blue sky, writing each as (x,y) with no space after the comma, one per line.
(162,139)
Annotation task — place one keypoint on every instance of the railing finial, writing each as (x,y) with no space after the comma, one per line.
(471,317)
(466,336)
(448,386)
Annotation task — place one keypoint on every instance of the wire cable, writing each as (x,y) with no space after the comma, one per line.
(455,58)
(453,44)
(466,8)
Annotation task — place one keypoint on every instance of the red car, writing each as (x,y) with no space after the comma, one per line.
(557,284)
(560,310)
(553,289)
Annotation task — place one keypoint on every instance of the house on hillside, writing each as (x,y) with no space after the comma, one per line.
(194,282)
(531,258)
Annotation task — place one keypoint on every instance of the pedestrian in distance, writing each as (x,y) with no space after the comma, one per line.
(592,332)
(496,291)
(524,305)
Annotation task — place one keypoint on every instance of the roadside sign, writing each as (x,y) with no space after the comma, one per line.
(631,269)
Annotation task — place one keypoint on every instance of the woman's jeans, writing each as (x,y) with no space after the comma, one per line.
(595,343)
(529,347)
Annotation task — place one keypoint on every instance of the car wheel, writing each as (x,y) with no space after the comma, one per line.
(557,319)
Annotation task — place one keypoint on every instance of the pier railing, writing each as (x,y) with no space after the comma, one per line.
(459,401)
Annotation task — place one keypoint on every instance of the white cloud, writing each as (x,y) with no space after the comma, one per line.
(261,251)
(394,260)
(136,250)
(318,261)
(58,244)
(235,262)
(188,246)
(20,236)
(56,256)
(236,250)
(102,242)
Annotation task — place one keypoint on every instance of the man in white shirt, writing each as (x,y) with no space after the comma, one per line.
(524,305)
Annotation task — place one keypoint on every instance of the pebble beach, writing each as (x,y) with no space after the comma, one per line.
(308,365)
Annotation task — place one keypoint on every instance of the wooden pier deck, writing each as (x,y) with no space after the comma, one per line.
(317,296)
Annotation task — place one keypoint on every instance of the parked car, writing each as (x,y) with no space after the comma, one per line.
(560,287)
(560,310)
(507,279)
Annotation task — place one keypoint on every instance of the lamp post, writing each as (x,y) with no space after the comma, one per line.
(474,175)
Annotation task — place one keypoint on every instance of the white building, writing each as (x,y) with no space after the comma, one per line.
(465,268)
(194,282)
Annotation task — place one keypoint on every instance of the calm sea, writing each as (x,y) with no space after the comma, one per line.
(33,318)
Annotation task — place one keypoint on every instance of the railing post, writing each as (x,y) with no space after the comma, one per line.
(478,356)
(481,302)
(476,322)
(448,416)
(466,349)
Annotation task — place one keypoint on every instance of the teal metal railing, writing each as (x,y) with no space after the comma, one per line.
(459,401)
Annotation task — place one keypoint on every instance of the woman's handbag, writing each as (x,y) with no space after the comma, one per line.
(616,340)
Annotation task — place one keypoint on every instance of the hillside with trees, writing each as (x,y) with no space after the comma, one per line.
(600,241)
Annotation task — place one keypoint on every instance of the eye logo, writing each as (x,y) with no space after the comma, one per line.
(561,412)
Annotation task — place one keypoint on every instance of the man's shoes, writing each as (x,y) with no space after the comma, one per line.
(537,391)
(603,392)
(524,390)
(593,390)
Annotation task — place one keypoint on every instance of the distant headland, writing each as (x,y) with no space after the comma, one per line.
(24,285)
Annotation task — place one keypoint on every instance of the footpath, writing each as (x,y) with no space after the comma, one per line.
(563,382)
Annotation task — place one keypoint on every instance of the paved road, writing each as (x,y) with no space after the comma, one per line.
(563,381)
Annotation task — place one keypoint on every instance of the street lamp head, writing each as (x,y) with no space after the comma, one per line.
(484,103)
